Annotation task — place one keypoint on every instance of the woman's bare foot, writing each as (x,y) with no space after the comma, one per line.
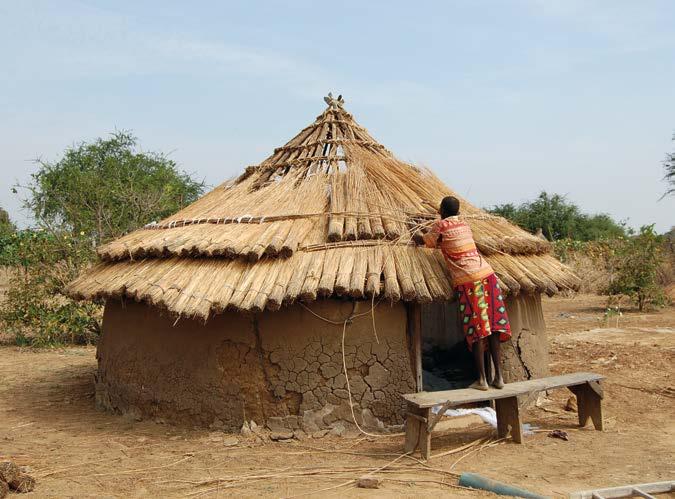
(479,385)
(498,383)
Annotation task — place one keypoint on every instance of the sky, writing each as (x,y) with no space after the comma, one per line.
(502,99)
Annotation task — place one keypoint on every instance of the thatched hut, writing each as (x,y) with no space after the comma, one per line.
(235,308)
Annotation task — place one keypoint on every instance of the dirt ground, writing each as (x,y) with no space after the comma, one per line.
(48,423)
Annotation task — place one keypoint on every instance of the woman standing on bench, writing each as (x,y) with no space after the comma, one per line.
(481,304)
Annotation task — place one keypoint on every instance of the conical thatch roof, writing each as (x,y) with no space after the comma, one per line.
(332,212)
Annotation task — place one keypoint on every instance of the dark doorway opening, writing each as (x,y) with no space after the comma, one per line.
(447,363)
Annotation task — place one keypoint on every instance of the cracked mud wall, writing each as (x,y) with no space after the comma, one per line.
(526,355)
(283,368)
(305,357)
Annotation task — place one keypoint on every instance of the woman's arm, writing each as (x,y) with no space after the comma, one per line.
(432,237)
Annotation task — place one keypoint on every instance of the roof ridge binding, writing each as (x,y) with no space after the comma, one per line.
(317,147)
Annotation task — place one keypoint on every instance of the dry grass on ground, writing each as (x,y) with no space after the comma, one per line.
(48,422)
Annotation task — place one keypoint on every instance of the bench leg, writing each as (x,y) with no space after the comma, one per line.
(416,432)
(509,415)
(589,403)
(412,430)
(425,436)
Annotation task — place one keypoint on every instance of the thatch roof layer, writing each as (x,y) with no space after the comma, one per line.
(199,287)
(332,212)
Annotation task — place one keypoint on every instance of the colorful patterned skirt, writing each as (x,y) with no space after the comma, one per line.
(482,310)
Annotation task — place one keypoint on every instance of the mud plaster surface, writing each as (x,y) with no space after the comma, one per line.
(283,368)
(525,356)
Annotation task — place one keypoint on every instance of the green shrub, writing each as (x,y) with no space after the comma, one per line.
(97,191)
(7,228)
(591,260)
(565,249)
(637,260)
(35,311)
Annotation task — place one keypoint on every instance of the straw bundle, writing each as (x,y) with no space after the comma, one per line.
(332,212)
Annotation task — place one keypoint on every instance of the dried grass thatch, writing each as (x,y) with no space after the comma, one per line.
(332,212)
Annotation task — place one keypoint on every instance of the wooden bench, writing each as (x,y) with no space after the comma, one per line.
(420,420)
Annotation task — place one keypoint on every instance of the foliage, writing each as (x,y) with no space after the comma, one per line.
(612,312)
(637,260)
(669,167)
(600,251)
(636,265)
(559,219)
(7,228)
(611,258)
(107,188)
(591,260)
(95,192)
(34,310)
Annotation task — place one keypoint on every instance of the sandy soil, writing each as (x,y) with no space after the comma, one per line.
(48,423)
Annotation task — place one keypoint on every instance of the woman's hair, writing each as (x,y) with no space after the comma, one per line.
(449,207)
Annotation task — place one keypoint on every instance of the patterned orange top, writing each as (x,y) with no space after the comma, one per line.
(455,240)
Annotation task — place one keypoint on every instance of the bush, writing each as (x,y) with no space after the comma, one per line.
(637,261)
(95,192)
(591,260)
(7,228)
(639,266)
(35,311)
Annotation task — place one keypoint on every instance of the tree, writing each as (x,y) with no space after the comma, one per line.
(559,219)
(106,188)
(595,227)
(636,261)
(669,167)
(506,210)
(96,192)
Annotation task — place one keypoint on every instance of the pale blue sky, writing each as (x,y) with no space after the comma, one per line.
(501,98)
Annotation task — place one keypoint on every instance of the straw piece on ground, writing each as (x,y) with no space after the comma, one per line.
(9,471)
(22,483)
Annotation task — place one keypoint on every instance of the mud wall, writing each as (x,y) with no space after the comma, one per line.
(284,368)
(526,355)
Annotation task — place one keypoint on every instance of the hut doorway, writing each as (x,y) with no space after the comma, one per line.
(447,363)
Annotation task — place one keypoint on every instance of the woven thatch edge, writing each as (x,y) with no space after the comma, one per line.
(205,286)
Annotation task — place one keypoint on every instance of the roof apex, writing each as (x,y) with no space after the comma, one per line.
(319,146)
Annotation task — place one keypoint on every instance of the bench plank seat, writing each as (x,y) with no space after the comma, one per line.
(421,421)
(470,395)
